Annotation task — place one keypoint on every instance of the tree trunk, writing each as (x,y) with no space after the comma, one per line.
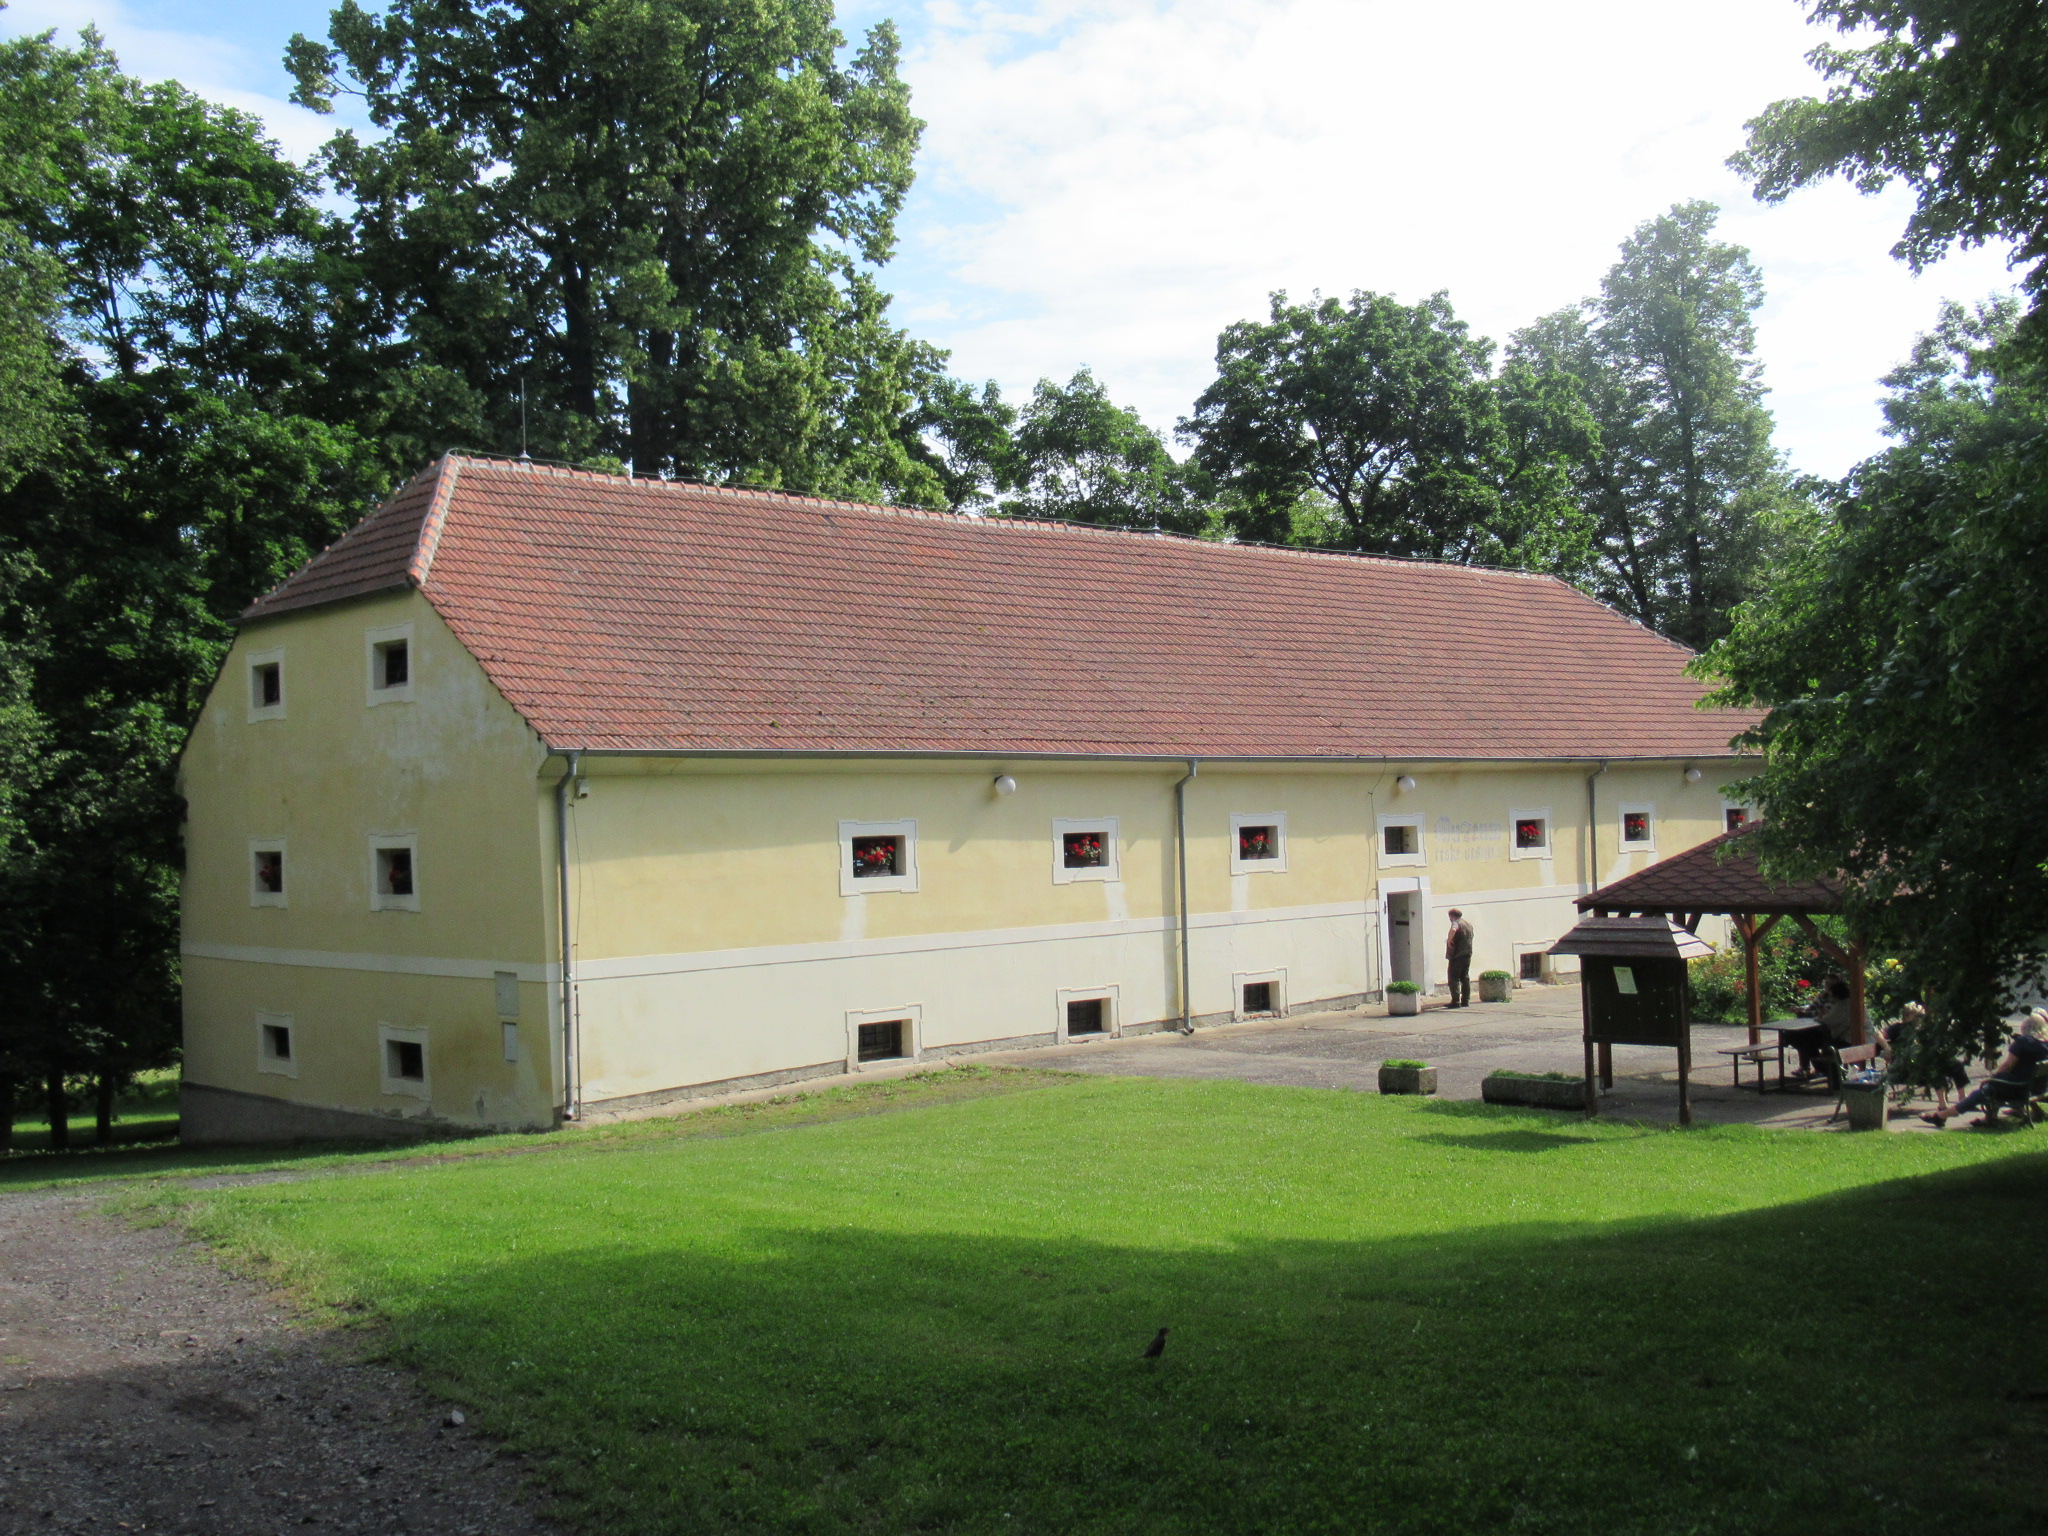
(9,1087)
(60,1113)
(103,1108)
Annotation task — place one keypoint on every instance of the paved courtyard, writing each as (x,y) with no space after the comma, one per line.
(1537,1030)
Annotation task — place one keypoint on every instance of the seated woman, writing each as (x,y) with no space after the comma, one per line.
(2026,1051)
(1834,1024)
(1901,1037)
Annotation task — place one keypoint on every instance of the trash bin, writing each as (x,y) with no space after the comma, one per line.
(1866,1105)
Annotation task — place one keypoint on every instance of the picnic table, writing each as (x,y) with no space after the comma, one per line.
(1763,1051)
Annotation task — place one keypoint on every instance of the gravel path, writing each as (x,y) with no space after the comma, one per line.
(142,1389)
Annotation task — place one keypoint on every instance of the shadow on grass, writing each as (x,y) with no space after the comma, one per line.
(1508,1141)
(1842,1365)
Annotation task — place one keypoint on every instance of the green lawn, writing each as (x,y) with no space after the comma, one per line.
(1388,1315)
(146,1112)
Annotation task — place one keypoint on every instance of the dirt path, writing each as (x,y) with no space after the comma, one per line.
(141,1389)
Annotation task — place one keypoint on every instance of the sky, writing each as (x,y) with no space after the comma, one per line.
(1108,183)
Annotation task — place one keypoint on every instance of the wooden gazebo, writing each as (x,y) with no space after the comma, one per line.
(1722,878)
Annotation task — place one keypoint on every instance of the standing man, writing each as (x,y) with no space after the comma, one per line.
(1458,950)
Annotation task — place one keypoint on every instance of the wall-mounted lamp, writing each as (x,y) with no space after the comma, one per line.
(1405,783)
(1693,775)
(1005,785)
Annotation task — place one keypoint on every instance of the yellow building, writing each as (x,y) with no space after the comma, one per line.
(545,793)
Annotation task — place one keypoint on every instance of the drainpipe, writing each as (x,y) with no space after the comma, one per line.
(1593,831)
(1180,842)
(571,1076)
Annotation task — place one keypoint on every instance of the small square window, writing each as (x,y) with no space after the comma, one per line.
(1532,965)
(1399,839)
(1083,850)
(394,872)
(274,1045)
(390,662)
(1638,826)
(1529,834)
(405,1060)
(266,685)
(1735,817)
(877,858)
(1258,997)
(1258,843)
(880,1042)
(1087,1016)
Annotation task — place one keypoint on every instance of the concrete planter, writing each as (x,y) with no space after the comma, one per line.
(1407,1079)
(1494,988)
(1866,1108)
(1534,1092)
(1404,1004)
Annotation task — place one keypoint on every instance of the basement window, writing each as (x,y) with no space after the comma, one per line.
(1261,994)
(394,872)
(1258,844)
(882,1035)
(1084,849)
(266,872)
(881,1041)
(1087,1016)
(1532,965)
(404,1060)
(266,685)
(877,856)
(1258,997)
(274,1051)
(1531,834)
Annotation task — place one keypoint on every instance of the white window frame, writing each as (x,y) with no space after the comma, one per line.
(1388,860)
(379,901)
(270,658)
(422,1088)
(1527,813)
(913,1020)
(258,897)
(1112,1015)
(1727,805)
(375,692)
(1245,979)
(1277,865)
(266,1061)
(1112,867)
(1630,808)
(873,885)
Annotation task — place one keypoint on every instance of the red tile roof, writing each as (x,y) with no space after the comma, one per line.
(1721,875)
(638,614)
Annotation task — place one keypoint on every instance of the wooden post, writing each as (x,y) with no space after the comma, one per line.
(1606,1065)
(1592,1094)
(1685,1074)
(1752,979)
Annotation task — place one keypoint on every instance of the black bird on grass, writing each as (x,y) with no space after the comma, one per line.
(1157,1347)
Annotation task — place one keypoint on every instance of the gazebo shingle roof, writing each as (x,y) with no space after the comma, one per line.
(619,614)
(1719,876)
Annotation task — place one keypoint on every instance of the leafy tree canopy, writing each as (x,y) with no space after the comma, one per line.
(1948,96)
(1899,655)
(1078,457)
(659,216)
(1686,493)
(1389,415)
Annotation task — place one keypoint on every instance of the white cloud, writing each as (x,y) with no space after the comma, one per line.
(1112,182)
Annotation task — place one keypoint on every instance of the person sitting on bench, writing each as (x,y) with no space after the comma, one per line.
(1901,1037)
(2026,1051)
(1834,1024)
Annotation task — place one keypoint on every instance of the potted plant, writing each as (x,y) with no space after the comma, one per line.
(1407,1077)
(1534,1090)
(1404,997)
(1494,986)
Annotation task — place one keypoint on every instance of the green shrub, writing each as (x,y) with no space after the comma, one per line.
(1405,1066)
(1538,1077)
(1405,988)
(1495,976)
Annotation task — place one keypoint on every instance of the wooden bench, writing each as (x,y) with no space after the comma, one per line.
(1770,1050)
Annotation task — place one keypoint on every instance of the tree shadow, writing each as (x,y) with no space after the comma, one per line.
(1510,1141)
(749,1376)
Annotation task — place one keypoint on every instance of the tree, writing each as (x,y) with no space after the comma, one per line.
(1391,415)
(658,217)
(1950,97)
(1899,656)
(1685,487)
(201,454)
(1078,457)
